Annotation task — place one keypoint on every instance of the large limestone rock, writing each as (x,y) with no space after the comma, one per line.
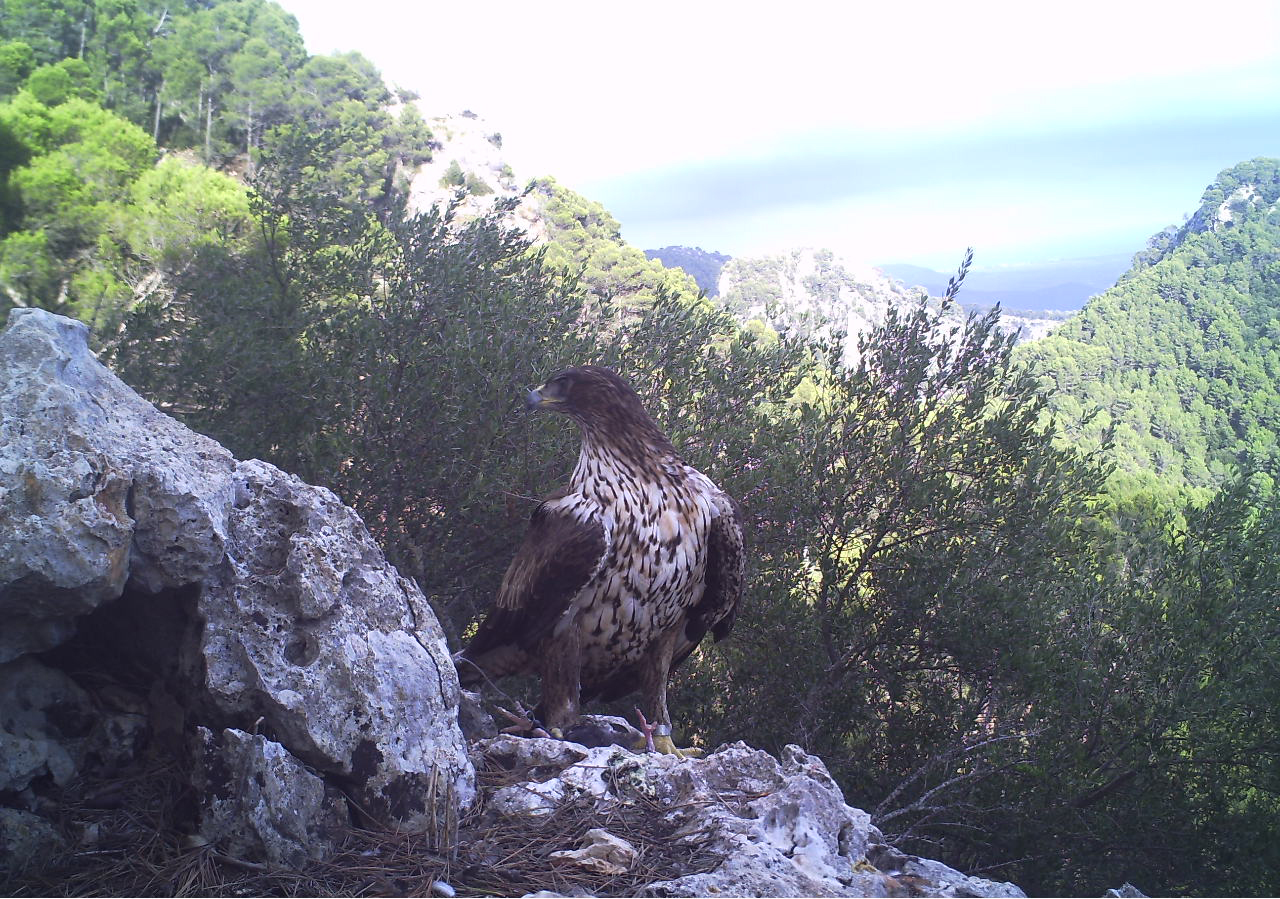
(261,802)
(775,827)
(280,615)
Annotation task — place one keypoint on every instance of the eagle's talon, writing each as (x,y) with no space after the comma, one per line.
(522,724)
(664,744)
(647,729)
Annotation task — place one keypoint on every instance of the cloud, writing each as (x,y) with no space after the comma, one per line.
(1080,184)
(1000,123)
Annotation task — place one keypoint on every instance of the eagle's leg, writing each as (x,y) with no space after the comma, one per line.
(654,672)
(560,667)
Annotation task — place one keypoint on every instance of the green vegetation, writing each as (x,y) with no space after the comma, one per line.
(1182,358)
(1034,641)
(95,92)
(700,265)
(584,235)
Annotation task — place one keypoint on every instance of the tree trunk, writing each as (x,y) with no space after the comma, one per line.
(248,142)
(155,127)
(208,129)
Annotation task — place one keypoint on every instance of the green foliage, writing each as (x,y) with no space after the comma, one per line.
(229,78)
(17,60)
(179,209)
(79,162)
(453,175)
(1182,357)
(225,71)
(217,77)
(1166,724)
(119,55)
(904,508)
(27,267)
(53,29)
(585,236)
(60,81)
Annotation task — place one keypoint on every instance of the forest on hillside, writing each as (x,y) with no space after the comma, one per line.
(1023,604)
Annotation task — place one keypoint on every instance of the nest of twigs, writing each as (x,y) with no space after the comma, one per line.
(123,837)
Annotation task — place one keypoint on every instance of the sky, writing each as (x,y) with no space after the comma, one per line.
(900,132)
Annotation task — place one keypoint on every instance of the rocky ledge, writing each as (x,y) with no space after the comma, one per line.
(736,823)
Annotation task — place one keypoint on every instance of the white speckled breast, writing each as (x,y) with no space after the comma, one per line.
(655,562)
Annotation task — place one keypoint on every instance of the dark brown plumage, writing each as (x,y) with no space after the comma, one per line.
(622,572)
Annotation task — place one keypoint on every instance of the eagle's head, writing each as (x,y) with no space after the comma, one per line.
(600,401)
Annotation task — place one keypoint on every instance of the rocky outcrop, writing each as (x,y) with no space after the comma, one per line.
(809,290)
(467,157)
(817,292)
(757,826)
(151,584)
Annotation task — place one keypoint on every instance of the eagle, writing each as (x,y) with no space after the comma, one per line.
(622,572)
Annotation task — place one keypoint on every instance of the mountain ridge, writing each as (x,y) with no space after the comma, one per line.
(1182,356)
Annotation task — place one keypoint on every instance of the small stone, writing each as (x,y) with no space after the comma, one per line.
(26,840)
(601,853)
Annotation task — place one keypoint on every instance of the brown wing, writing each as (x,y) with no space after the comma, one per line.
(556,560)
(726,577)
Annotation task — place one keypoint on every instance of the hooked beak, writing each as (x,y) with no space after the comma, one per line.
(536,400)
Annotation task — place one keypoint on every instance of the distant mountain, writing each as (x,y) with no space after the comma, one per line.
(1059,285)
(1182,356)
(704,267)
(817,292)
(809,291)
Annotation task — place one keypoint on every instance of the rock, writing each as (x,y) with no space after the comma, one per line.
(311,629)
(1128,891)
(601,853)
(935,878)
(783,828)
(45,720)
(777,827)
(821,292)
(25,840)
(259,802)
(65,536)
(289,620)
(534,758)
(476,723)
